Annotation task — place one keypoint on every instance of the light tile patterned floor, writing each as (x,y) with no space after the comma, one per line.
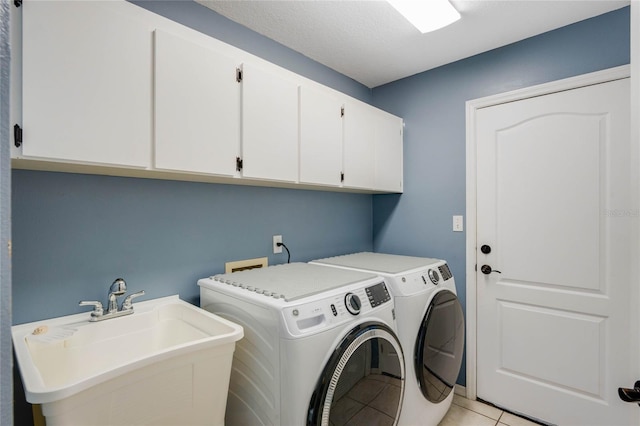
(465,412)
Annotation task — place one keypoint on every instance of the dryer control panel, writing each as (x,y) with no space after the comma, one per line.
(310,317)
(418,281)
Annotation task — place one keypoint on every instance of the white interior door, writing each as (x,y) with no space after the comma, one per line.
(554,206)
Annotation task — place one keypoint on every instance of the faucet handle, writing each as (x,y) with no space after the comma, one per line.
(97,310)
(127,304)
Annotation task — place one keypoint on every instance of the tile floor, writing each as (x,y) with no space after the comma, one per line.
(465,412)
(373,400)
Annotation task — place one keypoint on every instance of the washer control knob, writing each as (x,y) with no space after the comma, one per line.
(434,276)
(353,304)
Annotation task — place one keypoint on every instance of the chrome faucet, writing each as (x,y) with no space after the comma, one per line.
(118,288)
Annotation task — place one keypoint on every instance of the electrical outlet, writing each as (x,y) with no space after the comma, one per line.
(458,224)
(277,239)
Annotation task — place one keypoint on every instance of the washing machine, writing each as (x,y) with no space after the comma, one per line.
(320,346)
(430,327)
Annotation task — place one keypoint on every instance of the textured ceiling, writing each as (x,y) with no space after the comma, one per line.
(372,43)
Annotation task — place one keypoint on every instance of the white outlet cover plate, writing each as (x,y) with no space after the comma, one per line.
(458,223)
(277,239)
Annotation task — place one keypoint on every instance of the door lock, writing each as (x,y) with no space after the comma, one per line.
(486,269)
(485,249)
(630,395)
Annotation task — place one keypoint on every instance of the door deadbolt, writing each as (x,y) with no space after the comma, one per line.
(485,249)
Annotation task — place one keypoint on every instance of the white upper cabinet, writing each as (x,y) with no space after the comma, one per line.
(197,107)
(388,147)
(109,87)
(359,145)
(372,148)
(86,83)
(320,137)
(269,125)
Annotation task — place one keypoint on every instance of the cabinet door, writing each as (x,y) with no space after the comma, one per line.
(359,145)
(86,83)
(320,137)
(197,108)
(269,125)
(388,165)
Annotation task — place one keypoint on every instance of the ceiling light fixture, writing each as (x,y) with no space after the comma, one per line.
(427,15)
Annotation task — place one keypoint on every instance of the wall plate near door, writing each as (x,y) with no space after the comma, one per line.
(458,223)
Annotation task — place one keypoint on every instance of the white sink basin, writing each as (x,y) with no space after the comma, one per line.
(62,357)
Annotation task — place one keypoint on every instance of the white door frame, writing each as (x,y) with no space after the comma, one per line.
(472,107)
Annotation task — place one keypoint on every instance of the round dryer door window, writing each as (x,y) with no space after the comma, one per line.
(439,346)
(363,382)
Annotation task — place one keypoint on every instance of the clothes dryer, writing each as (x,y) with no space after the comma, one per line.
(430,326)
(320,346)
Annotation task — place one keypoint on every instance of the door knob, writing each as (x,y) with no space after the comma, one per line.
(630,395)
(485,249)
(486,269)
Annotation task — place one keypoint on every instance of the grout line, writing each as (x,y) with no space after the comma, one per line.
(482,414)
(499,418)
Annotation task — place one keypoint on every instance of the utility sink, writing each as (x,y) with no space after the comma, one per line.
(167,363)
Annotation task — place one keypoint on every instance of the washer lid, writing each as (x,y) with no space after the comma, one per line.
(293,281)
(379,262)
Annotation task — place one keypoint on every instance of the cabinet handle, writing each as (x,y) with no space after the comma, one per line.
(17,135)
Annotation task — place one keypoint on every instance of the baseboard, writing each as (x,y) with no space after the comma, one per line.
(460,390)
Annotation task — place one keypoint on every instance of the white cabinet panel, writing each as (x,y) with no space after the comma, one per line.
(359,145)
(388,163)
(269,125)
(320,137)
(197,107)
(108,87)
(86,83)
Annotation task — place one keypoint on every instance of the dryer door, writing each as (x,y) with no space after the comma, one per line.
(439,346)
(363,382)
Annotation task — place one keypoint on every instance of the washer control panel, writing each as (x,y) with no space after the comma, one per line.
(378,294)
(353,303)
(341,307)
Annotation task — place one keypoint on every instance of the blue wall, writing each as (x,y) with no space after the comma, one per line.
(74,234)
(432,103)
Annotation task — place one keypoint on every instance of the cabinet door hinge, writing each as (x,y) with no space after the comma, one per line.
(238,75)
(342,112)
(17,135)
(238,164)
(341,176)
(17,3)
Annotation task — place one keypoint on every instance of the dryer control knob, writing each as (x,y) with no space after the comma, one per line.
(434,276)
(353,304)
